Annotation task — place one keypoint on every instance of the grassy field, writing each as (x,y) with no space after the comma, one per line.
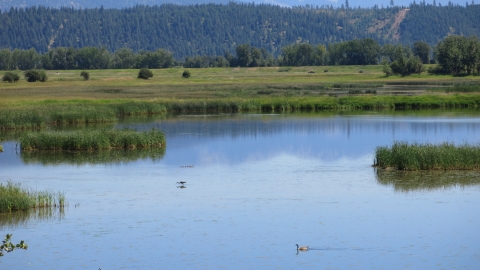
(109,86)
(66,98)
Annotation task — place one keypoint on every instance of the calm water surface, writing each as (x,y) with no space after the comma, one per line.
(259,185)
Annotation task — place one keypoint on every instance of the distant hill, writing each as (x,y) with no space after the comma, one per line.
(213,29)
(119,4)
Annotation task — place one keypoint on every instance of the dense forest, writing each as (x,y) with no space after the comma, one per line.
(213,29)
(455,55)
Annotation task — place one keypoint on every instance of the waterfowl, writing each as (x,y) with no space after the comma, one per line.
(302,248)
(181,182)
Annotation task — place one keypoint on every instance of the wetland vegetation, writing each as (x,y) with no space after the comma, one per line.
(66,98)
(414,156)
(13,198)
(92,140)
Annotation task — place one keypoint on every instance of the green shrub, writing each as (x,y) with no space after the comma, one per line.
(145,73)
(8,246)
(34,75)
(186,74)
(10,77)
(85,75)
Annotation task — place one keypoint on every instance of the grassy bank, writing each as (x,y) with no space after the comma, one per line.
(411,157)
(109,94)
(76,112)
(92,140)
(88,112)
(15,198)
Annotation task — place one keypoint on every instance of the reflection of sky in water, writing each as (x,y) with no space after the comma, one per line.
(260,185)
(240,138)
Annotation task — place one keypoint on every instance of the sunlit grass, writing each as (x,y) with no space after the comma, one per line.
(206,83)
(411,157)
(109,94)
(92,140)
(15,198)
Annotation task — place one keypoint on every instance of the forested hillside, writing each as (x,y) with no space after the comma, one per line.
(215,29)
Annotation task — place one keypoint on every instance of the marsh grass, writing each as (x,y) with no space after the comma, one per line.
(111,94)
(15,198)
(20,119)
(271,99)
(90,140)
(1,148)
(116,156)
(411,157)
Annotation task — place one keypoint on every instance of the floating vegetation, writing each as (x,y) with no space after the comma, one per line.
(91,157)
(411,157)
(92,140)
(1,148)
(406,181)
(15,198)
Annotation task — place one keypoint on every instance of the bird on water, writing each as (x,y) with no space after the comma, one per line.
(181,182)
(302,248)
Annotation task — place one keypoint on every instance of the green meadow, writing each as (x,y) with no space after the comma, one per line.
(66,98)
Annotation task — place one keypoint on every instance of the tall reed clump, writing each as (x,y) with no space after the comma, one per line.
(411,157)
(139,108)
(80,114)
(15,198)
(92,140)
(20,119)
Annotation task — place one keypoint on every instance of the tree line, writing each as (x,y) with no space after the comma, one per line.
(212,29)
(454,55)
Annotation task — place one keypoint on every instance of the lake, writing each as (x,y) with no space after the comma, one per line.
(256,185)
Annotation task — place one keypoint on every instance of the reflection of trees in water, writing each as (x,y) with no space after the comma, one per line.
(406,181)
(21,218)
(91,157)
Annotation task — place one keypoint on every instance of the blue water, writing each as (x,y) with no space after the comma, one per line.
(259,185)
